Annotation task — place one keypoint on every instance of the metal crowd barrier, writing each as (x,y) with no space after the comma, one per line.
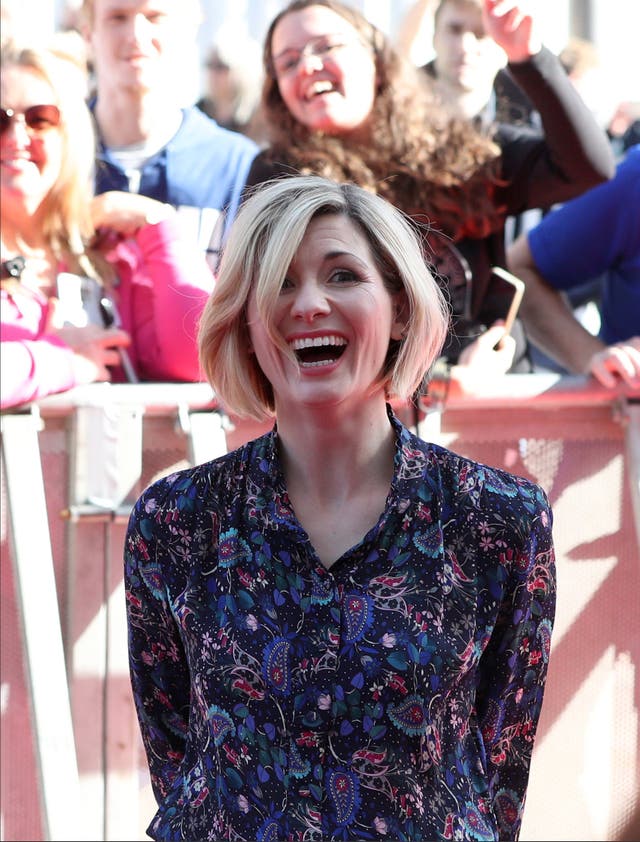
(72,765)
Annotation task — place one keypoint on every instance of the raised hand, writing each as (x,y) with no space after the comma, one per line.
(513,27)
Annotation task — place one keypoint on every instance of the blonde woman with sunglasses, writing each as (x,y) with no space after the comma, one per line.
(93,289)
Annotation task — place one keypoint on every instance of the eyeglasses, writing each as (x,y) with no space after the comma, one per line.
(37,118)
(287,62)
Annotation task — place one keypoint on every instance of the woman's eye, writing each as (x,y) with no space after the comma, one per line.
(285,64)
(344,276)
(330,48)
(286,284)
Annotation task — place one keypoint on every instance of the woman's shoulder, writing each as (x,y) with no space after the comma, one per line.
(464,481)
(210,485)
(485,486)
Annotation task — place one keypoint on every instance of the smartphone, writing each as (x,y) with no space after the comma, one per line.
(79,299)
(507,289)
(83,301)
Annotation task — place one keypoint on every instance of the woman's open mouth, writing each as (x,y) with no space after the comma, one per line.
(312,352)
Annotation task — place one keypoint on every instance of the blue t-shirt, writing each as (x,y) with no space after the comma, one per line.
(201,171)
(598,233)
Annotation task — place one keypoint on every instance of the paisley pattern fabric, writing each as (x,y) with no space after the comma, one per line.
(394,696)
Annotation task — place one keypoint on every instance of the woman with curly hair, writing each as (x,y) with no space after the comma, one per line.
(339,101)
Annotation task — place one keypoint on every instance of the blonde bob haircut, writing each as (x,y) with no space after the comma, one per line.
(263,241)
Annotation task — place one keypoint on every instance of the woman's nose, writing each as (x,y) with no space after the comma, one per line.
(17,132)
(309,62)
(309,302)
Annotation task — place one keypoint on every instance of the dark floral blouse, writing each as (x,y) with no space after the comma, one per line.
(394,696)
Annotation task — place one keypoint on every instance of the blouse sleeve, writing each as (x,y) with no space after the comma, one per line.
(157,661)
(165,283)
(571,156)
(513,667)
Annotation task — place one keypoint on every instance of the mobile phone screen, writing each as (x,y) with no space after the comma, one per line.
(506,292)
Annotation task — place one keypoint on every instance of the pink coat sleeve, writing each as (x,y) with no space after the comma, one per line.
(32,364)
(164,285)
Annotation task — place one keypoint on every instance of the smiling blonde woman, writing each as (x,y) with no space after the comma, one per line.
(338,631)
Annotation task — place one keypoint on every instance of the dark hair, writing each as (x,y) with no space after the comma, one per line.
(420,157)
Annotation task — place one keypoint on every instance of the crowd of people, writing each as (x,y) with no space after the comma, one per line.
(486,132)
(316,257)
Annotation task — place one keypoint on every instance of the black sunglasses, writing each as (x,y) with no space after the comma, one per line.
(37,118)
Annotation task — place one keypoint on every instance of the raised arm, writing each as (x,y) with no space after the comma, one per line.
(574,152)
(175,282)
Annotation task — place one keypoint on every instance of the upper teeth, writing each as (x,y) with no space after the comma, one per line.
(316,342)
(319,88)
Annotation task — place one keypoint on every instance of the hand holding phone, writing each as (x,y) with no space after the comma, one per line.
(490,355)
(83,302)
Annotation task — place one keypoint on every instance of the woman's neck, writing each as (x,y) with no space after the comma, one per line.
(40,263)
(23,236)
(332,454)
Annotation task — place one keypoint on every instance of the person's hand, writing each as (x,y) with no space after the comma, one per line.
(94,348)
(125,213)
(490,355)
(485,360)
(513,27)
(617,362)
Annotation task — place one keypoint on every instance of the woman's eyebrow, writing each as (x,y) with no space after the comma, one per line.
(338,253)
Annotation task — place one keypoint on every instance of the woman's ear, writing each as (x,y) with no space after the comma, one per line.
(400,315)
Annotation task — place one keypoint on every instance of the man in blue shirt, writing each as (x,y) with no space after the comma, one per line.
(147,142)
(597,233)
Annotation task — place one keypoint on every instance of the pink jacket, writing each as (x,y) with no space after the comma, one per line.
(163,286)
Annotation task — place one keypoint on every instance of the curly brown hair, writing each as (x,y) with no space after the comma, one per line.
(419,156)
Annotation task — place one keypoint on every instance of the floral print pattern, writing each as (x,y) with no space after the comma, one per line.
(392,696)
